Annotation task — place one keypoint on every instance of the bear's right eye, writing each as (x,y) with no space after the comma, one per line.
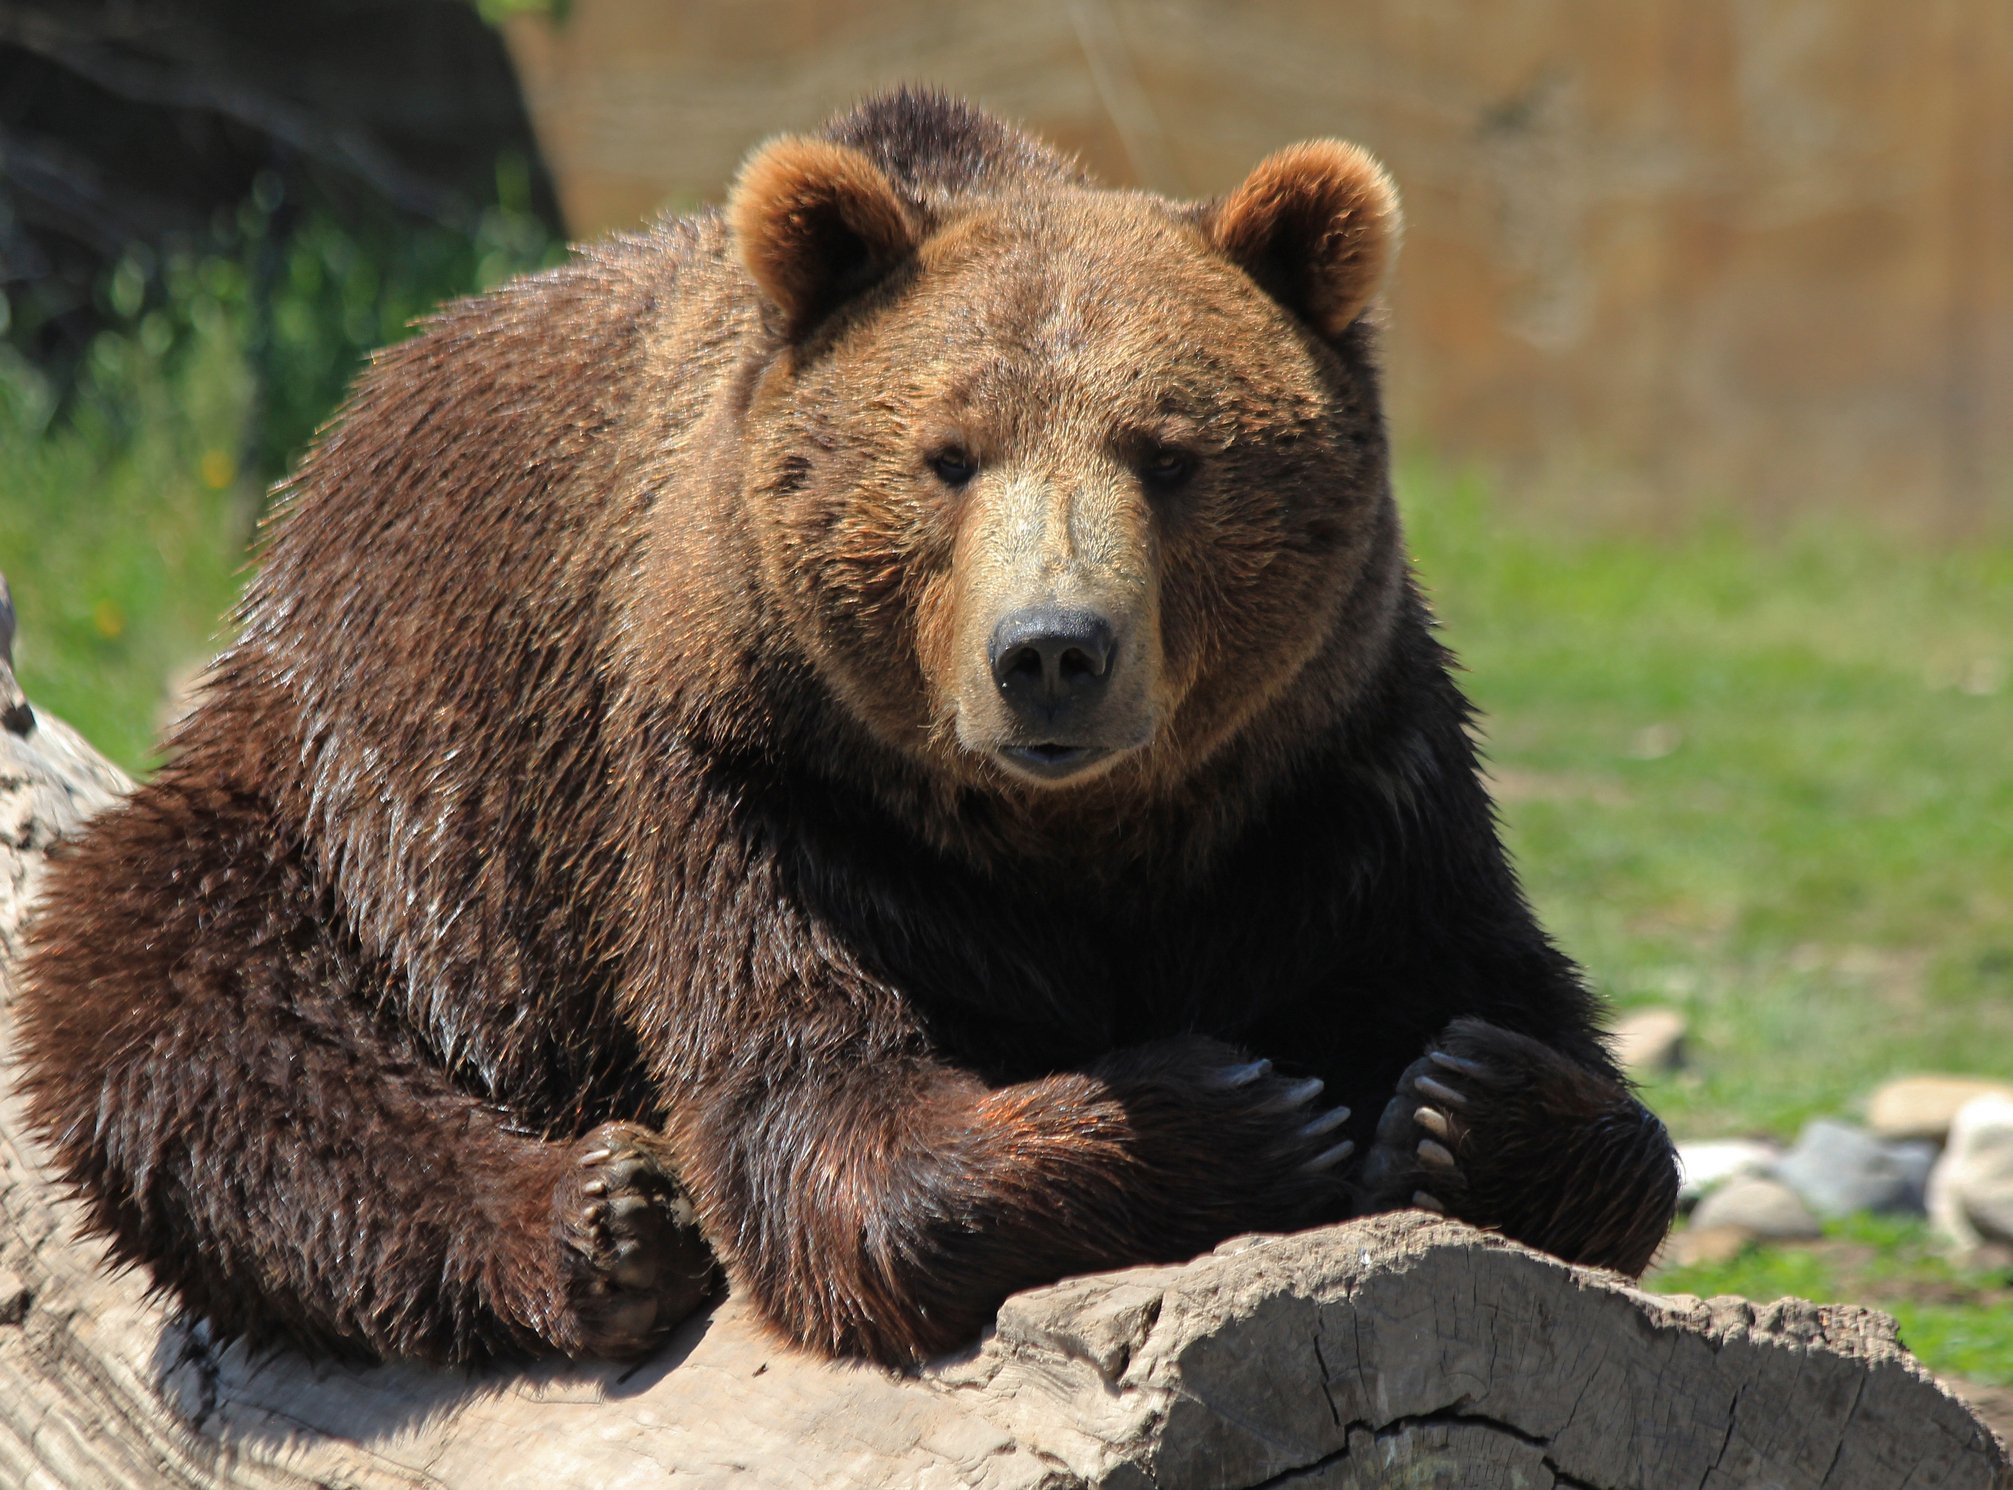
(954,465)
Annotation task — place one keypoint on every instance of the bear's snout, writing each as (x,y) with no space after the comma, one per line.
(1052,663)
(1056,635)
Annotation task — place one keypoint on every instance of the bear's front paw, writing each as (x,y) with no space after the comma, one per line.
(1501,1130)
(1284,1116)
(1231,1143)
(631,1255)
(1425,1130)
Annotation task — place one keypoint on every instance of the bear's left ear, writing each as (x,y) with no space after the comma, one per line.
(816,223)
(1317,226)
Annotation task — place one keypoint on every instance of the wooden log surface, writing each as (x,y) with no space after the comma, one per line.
(1401,1350)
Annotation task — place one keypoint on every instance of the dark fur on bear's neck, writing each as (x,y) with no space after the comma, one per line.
(517,766)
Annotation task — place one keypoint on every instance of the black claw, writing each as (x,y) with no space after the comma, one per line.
(1327,1123)
(1436,1154)
(1330,1157)
(624,1173)
(1232,1077)
(1439,1091)
(1297,1095)
(1458,1063)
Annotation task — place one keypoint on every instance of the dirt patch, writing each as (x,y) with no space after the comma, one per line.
(1512,785)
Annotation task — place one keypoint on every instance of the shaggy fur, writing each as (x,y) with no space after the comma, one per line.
(616,778)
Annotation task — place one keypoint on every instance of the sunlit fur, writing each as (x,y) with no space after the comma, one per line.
(609,737)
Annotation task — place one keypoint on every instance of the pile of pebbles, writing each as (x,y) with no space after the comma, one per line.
(1939,1146)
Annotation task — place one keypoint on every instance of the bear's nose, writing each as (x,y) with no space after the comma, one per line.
(1048,656)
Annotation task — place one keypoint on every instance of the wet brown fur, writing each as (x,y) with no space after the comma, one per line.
(606,742)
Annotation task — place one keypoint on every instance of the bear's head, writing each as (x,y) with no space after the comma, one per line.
(1062,486)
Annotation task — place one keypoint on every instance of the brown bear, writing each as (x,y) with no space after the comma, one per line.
(901,704)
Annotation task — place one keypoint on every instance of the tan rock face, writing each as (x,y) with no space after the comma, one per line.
(1649,1042)
(1925,1106)
(1654,257)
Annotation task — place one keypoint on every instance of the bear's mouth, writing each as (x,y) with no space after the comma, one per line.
(1051,760)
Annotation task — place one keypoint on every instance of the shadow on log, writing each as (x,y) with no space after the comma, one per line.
(1402,1350)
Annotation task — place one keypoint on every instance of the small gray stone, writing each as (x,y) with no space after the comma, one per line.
(1840,1169)
(1758,1205)
(1915,1159)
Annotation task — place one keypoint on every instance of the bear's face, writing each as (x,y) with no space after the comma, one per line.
(1067,485)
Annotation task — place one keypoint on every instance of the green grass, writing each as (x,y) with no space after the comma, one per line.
(123,526)
(1766,780)
(1959,1320)
(128,500)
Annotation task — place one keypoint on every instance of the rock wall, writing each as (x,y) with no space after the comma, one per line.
(1742,255)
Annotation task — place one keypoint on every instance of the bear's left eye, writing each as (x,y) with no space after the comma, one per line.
(1165,467)
(954,465)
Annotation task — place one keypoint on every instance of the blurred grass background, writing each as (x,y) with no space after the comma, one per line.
(1752,768)
(130,494)
(1762,778)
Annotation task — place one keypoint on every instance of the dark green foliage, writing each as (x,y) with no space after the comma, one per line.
(129,494)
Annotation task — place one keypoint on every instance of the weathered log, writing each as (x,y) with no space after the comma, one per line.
(1399,1350)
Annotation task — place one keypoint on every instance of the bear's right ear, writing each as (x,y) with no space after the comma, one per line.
(816,223)
(1317,226)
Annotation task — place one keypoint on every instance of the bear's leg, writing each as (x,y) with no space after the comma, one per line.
(881,1204)
(207,1060)
(1504,1131)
